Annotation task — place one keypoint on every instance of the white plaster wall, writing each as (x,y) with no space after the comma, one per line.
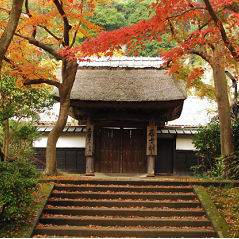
(77,140)
(66,140)
(184,142)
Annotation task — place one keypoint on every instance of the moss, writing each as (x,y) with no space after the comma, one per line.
(213,214)
(44,194)
(26,229)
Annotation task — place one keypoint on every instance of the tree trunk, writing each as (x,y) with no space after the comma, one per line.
(69,70)
(6,140)
(227,145)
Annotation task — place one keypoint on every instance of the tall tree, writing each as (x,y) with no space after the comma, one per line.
(53,27)
(7,34)
(202,29)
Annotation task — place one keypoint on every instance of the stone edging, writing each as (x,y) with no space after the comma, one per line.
(39,211)
(213,214)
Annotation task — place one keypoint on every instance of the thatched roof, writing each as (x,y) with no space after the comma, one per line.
(126,80)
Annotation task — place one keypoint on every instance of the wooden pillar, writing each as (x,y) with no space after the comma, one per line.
(89,149)
(151,147)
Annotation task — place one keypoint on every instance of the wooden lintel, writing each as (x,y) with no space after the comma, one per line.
(125,105)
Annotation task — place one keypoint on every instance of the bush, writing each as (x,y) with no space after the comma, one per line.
(207,142)
(208,146)
(231,165)
(18,181)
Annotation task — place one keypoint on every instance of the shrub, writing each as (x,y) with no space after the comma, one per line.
(231,165)
(207,142)
(18,181)
(208,146)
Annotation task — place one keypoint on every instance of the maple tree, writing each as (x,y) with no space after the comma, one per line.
(9,27)
(48,29)
(206,30)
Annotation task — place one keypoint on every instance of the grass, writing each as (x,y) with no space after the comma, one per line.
(20,229)
(227,202)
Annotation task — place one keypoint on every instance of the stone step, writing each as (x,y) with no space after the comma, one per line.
(124,203)
(79,231)
(144,209)
(97,195)
(124,212)
(116,188)
(122,222)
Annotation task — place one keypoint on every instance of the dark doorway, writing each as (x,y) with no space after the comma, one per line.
(164,161)
(122,150)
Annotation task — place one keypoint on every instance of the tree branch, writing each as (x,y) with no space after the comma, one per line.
(41,81)
(6,37)
(35,81)
(30,16)
(233,7)
(48,31)
(204,57)
(219,24)
(43,46)
(66,23)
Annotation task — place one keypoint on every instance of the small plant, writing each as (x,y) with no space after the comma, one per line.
(231,164)
(18,181)
(196,170)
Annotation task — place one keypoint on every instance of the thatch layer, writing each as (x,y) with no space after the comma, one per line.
(126,84)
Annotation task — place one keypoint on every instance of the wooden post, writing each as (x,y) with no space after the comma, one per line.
(89,149)
(151,147)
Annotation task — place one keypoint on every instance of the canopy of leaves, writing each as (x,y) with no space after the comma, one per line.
(116,15)
(191,24)
(45,27)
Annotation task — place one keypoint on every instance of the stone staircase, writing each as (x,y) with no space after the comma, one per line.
(141,209)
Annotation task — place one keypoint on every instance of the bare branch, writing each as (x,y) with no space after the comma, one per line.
(48,31)
(43,46)
(203,56)
(74,38)
(30,16)
(11,26)
(66,23)
(219,24)
(233,7)
(41,81)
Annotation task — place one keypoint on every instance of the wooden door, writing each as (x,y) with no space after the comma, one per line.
(164,160)
(110,151)
(134,151)
(122,150)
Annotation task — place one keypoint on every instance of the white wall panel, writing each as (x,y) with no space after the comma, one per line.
(66,140)
(184,142)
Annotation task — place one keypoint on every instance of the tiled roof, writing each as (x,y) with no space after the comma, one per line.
(166,130)
(135,62)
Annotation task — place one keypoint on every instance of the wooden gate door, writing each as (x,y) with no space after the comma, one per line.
(134,151)
(122,151)
(110,151)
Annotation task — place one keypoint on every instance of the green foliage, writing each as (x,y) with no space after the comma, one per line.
(18,181)
(108,17)
(20,146)
(115,15)
(232,165)
(235,129)
(25,102)
(207,141)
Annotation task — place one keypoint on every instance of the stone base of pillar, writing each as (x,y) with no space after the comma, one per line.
(89,166)
(150,165)
(150,175)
